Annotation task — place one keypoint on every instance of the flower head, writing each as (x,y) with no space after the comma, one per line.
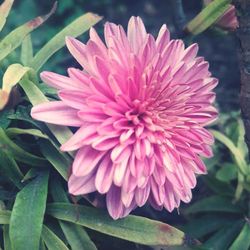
(229,19)
(140,105)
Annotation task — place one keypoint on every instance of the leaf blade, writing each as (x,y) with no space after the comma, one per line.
(214,203)
(132,228)
(242,241)
(51,240)
(18,153)
(5,8)
(208,16)
(76,28)
(27,214)
(15,37)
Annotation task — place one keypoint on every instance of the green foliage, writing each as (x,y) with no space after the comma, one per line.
(132,228)
(208,16)
(27,214)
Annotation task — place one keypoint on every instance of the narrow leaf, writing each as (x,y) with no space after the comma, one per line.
(208,16)
(26,50)
(13,75)
(242,241)
(199,227)
(18,153)
(12,132)
(32,173)
(6,237)
(4,117)
(27,215)
(227,172)
(10,169)
(15,38)
(214,204)
(4,217)
(241,144)
(223,238)
(5,8)
(76,28)
(132,228)
(52,241)
(57,160)
(236,153)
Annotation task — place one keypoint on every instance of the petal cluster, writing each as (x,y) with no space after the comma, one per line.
(140,105)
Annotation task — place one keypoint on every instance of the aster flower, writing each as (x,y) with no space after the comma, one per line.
(140,105)
(229,19)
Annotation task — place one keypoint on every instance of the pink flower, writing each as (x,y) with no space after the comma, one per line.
(141,106)
(229,19)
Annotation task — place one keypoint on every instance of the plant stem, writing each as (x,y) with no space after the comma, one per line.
(179,16)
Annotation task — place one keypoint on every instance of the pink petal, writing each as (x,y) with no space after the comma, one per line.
(86,160)
(81,185)
(114,203)
(74,99)
(59,82)
(56,113)
(141,195)
(83,136)
(136,33)
(104,175)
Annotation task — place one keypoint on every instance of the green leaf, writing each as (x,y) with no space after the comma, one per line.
(6,237)
(242,241)
(241,144)
(26,50)
(76,28)
(236,153)
(208,16)
(27,215)
(219,187)
(214,204)
(10,169)
(32,173)
(36,97)
(5,8)
(199,227)
(76,236)
(23,114)
(4,217)
(12,132)
(132,228)
(15,38)
(56,158)
(42,245)
(223,238)
(227,172)
(11,77)
(47,90)
(18,153)
(52,241)
(4,118)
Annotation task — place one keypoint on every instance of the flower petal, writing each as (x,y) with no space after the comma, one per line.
(56,113)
